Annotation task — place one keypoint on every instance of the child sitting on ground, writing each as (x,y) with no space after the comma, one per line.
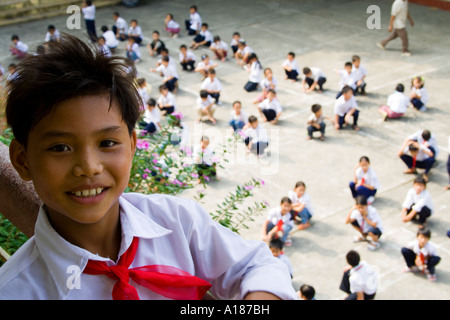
(220,48)
(243,52)
(276,246)
(344,108)
(359,74)
(166,101)
(420,255)
(419,95)
(269,82)
(234,41)
(316,122)
(187,58)
(418,205)
(239,117)
(347,78)
(151,121)
(205,65)
(365,180)
(366,220)
(206,106)
(256,138)
(255,69)
(155,47)
(290,67)
(270,109)
(132,50)
(212,85)
(204,38)
(397,104)
(278,223)
(302,210)
(172,27)
(18,48)
(169,73)
(203,157)
(135,31)
(313,77)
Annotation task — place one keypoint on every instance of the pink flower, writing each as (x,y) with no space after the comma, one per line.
(214,159)
(206,178)
(194,175)
(142,144)
(144,176)
(178,115)
(248,187)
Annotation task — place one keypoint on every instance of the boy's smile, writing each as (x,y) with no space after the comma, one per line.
(79,158)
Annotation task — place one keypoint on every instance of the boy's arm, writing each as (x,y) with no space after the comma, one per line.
(261,295)
(391,24)
(410,19)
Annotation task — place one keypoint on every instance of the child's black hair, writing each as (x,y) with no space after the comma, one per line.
(346,89)
(285,200)
(300,184)
(420,180)
(348,64)
(426,135)
(151,102)
(400,88)
(315,107)
(425,232)
(364,158)
(307,291)
(71,69)
(306,71)
(276,243)
(203,94)
(252,119)
(353,258)
(361,200)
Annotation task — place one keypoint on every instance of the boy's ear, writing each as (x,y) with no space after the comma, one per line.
(133,142)
(18,157)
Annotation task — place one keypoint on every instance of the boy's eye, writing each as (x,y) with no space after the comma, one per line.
(107,144)
(60,148)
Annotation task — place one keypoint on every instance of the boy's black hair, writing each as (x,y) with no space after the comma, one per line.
(155,32)
(306,70)
(236,33)
(252,119)
(71,69)
(276,243)
(285,200)
(400,88)
(151,102)
(300,184)
(291,53)
(361,200)
(104,28)
(353,258)
(425,232)
(14,37)
(412,147)
(183,46)
(51,27)
(163,87)
(203,94)
(426,135)
(355,57)
(194,7)
(307,291)
(364,158)
(420,180)
(348,64)
(216,38)
(117,14)
(346,89)
(204,24)
(315,107)
(165,59)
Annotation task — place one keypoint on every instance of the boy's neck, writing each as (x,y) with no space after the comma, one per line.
(102,238)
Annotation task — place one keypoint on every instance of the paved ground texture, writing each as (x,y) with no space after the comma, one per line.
(325,34)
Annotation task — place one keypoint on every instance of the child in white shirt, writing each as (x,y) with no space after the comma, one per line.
(365,180)
(212,85)
(344,108)
(220,48)
(151,122)
(347,78)
(132,50)
(270,108)
(316,122)
(302,209)
(88,228)
(110,38)
(421,255)
(269,82)
(53,34)
(143,92)
(203,157)
(313,77)
(204,38)
(120,27)
(366,220)
(239,117)
(172,27)
(278,223)
(135,31)
(194,24)
(243,52)
(169,73)
(256,137)
(419,95)
(418,205)
(359,74)
(18,48)
(290,67)
(206,106)
(234,41)
(166,101)
(205,65)
(187,58)
(397,104)
(255,69)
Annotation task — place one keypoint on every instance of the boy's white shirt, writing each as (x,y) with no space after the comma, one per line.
(428,250)
(418,201)
(203,156)
(121,25)
(89,12)
(196,21)
(372,215)
(274,105)
(363,278)
(400,11)
(209,85)
(305,199)
(358,73)
(341,107)
(291,64)
(370,177)
(432,142)
(169,71)
(258,134)
(172,231)
(275,215)
(189,56)
(169,99)
(422,92)
(347,79)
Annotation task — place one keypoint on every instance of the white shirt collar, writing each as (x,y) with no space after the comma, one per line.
(59,254)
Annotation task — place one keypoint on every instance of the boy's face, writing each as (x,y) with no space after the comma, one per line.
(268,74)
(319,113)
(290,57)
(183,50)
(348,95)
(419,187)
(285,207)
(254,124)
(356,63)
(362,209)
(275,252)
(364,165)
(79,158)
(271,96)
(204,144)
(348,69)
(237,107)
(422,240)
(300,191)
(155,36)
(164,92)
(133,24)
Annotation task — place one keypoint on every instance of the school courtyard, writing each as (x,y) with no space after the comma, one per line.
(324,34)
